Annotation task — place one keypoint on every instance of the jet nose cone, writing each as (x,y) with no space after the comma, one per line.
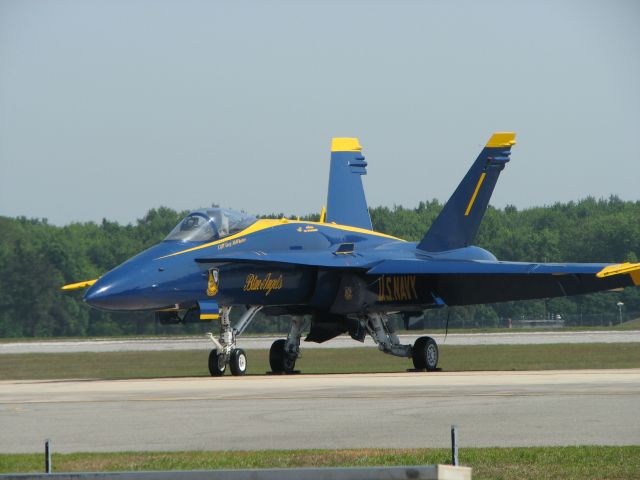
(123,291)
(114,291)
(99,295)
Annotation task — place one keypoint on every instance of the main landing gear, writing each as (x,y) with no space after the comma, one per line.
(284,352)
(226,352)
(424,352)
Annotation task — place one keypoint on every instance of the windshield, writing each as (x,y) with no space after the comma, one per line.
(210,224)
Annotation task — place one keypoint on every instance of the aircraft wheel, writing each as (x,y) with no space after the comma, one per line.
(238,362)
(425,354)
(217,364)
(278,358)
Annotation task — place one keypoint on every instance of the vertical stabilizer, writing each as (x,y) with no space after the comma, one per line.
(346,203)
(458,223)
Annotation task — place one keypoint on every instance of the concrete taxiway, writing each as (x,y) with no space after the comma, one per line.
(201,343)
(323,411)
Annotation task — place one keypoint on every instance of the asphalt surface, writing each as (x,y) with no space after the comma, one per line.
(323,411)
(202,343)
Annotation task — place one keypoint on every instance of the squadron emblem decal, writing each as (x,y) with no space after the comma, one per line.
(212,284)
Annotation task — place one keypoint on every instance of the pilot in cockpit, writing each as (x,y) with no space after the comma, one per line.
(210,224)
(221,221)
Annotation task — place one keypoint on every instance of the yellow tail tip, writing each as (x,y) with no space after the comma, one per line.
(340,144)
(502,139)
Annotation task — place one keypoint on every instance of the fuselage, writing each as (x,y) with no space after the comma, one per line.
(176,274)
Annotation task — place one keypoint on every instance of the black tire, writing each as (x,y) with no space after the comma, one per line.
(276,356)
(425,354)
(238,362)
(279,360)
(217,365)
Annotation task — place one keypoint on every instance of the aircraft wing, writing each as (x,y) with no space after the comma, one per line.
(472,282)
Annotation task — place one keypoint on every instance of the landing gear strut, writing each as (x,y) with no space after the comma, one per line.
(424,352)
(284,353)
(226,351)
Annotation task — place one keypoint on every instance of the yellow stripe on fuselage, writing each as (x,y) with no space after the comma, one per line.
(266,224)
(209,316)
(475,194)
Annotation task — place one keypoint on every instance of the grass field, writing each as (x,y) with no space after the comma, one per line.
(569,463)
(114,365)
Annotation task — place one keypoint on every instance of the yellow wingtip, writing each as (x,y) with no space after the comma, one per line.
(79,285)
(502,139)
(633,269)
(339,144)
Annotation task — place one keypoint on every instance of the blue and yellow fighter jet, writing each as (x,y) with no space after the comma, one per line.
(341,273)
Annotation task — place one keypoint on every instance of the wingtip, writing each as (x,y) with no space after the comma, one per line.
(502,139)
(633,269)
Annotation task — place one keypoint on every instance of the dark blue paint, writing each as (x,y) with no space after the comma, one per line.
(452,229)
(346,203)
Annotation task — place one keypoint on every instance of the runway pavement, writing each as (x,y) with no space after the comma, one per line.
(323,411)
(201,343)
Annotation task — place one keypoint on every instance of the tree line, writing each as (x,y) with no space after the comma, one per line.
(37,258)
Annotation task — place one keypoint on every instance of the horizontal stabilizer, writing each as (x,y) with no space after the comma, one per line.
(346,202)
(458,223)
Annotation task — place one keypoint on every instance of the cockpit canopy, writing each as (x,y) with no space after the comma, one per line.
(209,224)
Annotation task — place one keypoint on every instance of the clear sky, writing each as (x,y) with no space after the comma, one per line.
(110,108)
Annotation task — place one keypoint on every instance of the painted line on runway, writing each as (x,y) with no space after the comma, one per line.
(574,393)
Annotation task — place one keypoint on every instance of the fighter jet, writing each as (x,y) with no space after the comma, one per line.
(338,272)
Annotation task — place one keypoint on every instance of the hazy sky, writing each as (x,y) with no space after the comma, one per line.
(109,108)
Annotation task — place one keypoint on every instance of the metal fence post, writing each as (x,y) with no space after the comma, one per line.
(454,445)
(47,456)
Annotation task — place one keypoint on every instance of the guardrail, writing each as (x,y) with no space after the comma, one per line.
(421,472)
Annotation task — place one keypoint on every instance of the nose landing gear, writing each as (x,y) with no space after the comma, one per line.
(226,351)
(217,363)
(238,362)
